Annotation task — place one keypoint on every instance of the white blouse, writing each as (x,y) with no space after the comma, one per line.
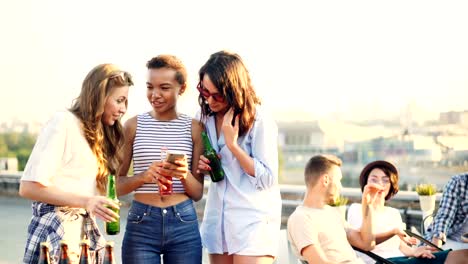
(384,220)
(62,157)
(243,213)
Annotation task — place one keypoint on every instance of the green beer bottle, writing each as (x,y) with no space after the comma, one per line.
(216,172)
(44,256)
(112,228)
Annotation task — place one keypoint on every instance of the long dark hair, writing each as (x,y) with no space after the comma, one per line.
(230,76)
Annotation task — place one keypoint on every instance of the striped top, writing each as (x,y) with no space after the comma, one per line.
(151,135)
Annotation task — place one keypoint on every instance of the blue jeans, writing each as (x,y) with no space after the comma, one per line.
(153,231)
(439,259)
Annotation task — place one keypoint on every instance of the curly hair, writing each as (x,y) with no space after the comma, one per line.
(170,62)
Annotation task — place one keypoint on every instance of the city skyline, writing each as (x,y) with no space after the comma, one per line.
(351,61)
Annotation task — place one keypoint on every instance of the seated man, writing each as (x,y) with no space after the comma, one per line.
(316,232)
(451,221)
(319,234)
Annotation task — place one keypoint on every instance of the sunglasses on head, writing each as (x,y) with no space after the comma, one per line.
(124,76)
(206,94)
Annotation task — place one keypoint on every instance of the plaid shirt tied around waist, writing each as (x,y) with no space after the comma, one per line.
(46,225)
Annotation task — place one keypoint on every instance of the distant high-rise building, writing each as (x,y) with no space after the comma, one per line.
(451,117)
(299,141)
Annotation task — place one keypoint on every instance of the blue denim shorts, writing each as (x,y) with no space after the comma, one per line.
(153,232)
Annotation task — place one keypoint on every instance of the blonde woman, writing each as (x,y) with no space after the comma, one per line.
(67,171)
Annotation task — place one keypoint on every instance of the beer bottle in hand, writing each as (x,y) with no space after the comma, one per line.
(44,256)
(84,255)
(63,255)
(216,172)
(109,254)
(112,228)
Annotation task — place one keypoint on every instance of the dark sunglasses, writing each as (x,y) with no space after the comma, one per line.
(206,94)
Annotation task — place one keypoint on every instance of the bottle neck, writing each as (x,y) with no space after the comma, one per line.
(109,254)
(206,142)
(64,251)
(111,192)
(45,253)
(84,252)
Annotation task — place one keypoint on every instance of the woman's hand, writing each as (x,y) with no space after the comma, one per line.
(151,174)
(154,175)
(230,132)
(404,237)
(203,165)
(99,206)
(371,194)
(423,252)
(178,169)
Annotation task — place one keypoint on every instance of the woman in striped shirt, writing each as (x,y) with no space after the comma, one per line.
(158,224)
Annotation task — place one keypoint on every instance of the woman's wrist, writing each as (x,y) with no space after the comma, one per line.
(84,202)
(141,177)
(234,148)
(184,179)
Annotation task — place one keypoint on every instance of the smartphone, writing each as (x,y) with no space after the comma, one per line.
(172,156)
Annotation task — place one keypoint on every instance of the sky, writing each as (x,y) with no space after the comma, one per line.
(350,60)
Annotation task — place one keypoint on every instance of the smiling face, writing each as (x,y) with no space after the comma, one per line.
(162,91)
(215,106)
(115,105)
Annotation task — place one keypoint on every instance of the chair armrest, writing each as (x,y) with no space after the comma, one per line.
(374,256)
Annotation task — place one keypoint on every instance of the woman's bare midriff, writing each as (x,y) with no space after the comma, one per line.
(157,200)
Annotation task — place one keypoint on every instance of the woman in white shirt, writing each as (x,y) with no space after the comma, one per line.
(67,171)
(391,240)
(243,212)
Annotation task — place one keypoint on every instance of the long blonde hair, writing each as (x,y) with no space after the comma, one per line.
(104,141)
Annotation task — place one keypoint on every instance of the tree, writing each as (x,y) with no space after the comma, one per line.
(19,145)
(3,147)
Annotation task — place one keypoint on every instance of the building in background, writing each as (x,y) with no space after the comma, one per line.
(298,141)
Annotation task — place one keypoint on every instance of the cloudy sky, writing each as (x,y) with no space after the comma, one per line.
(348,59)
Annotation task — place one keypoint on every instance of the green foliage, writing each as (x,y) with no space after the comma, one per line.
(23,155)
(341,200)
(3,148)
(19,145)
(426,189)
